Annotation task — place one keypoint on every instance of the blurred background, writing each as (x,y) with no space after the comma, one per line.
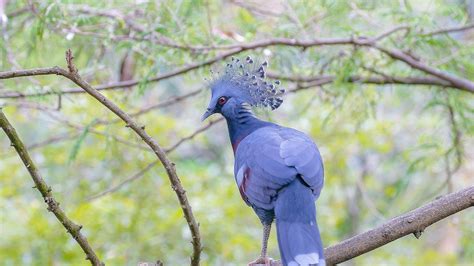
(388,148)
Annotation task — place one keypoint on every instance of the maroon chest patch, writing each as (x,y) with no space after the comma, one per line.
(243,185)
(235,145)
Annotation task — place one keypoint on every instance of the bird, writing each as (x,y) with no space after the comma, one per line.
(278,170)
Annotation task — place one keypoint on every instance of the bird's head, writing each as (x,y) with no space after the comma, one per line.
(242,83)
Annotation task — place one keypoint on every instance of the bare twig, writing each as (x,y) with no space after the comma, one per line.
(168,102)
(413,222)
(18,12)
(255,8)
(194,134)
(458,82)
(149,166)
(456,147)
(53,139)
(361,190)
(390,32)
(450,30)
(124,182)
(45,190)
(457,135)
(367,80)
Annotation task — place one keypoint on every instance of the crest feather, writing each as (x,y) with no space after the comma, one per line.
(249,79)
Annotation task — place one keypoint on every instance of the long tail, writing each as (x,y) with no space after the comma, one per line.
(298,234)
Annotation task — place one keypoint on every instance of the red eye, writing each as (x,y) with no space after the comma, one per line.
(222,100)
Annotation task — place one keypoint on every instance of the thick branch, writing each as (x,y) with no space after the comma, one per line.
(413,222)
(45,190)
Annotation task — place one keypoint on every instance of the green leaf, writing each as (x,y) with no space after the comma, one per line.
(144,82)
(78,143)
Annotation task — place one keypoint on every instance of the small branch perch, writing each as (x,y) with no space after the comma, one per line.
(45,190)
(413,222)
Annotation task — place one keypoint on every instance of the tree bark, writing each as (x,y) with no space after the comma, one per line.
(413,222)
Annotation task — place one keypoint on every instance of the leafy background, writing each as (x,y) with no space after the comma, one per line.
(387,148)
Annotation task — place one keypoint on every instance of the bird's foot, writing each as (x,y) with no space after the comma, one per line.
(264,261)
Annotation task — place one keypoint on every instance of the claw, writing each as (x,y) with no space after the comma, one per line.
(264,261)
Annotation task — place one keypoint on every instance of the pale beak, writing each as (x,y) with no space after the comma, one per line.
(208,113)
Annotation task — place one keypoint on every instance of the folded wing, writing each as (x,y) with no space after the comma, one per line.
(271,158)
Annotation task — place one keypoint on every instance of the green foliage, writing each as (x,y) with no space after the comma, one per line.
(387,148)
(79,141)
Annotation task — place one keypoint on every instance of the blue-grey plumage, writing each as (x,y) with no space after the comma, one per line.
(278,170)
(297,229)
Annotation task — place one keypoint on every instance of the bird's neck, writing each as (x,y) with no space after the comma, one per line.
(241,124)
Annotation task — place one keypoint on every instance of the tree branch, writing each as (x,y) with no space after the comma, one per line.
(194,134)
(150,165)
(413,222)
(73,75)
(112,86)
(124,182)
(168,102)
(450,30)
(410,80)
(454,81)
(46,192)
(458,82)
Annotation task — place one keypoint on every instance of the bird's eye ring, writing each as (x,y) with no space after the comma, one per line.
(222,100)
